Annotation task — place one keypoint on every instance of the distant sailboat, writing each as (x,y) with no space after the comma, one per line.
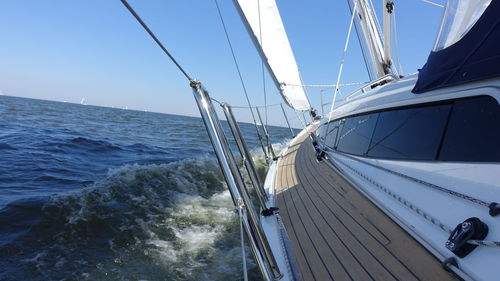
(82,102)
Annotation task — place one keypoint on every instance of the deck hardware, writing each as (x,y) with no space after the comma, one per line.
(320,155)
(449,262)
(494,209)
(270,211)
(471,229)
(270,150)
(390,7)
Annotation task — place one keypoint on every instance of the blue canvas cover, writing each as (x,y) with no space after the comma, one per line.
(474,57)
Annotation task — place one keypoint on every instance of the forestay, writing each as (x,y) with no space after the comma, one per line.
(266,29)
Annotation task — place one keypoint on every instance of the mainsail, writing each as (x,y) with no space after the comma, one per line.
(266,29)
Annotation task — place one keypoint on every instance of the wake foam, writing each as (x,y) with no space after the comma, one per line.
(156,222)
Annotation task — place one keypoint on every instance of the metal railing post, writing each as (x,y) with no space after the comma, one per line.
(258,241)
(245,154)
(266,132)
(257,130)
(286,118)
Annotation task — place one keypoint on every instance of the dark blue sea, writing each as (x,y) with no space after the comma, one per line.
(95,193)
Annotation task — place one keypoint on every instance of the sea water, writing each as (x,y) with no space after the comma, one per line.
(95,193)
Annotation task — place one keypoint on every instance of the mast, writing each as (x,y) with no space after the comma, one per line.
(388,9)
(377,58)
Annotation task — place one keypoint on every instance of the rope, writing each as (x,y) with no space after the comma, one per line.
(402,200)
(432,3)
(131,10)
(419,211)
(243,254)
(484,243)
(427,184)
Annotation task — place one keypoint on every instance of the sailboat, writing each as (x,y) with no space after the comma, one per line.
(400,180)
(82,102)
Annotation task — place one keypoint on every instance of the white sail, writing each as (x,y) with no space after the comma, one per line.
(264,25)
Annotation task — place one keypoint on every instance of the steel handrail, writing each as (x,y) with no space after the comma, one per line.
(268,138)
(259,244)
(245,154)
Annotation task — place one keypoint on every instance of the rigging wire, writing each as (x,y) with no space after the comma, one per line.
(305,92)
(396,45)
(237,68)
(432,3)
(256,106)
(343,57)
(131,10)
(325,85)
(300,119)
(341,66)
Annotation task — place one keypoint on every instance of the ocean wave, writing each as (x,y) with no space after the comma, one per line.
(91,144)
(170,221)
(5,146)
(158,222)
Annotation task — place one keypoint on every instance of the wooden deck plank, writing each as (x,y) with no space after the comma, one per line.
(336,269)
(344,256)
(315,261)
(303,263)
(337,233)
(353,231)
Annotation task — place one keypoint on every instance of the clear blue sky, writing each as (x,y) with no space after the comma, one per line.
(64,50)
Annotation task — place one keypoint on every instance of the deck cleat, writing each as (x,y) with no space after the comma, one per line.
(471,229)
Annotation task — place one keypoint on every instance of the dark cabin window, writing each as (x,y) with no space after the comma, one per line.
(333,129)
(413,133)
(341,126)
(357,133)
(473,132)
(321,131)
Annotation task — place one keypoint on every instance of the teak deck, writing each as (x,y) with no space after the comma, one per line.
(338,234)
